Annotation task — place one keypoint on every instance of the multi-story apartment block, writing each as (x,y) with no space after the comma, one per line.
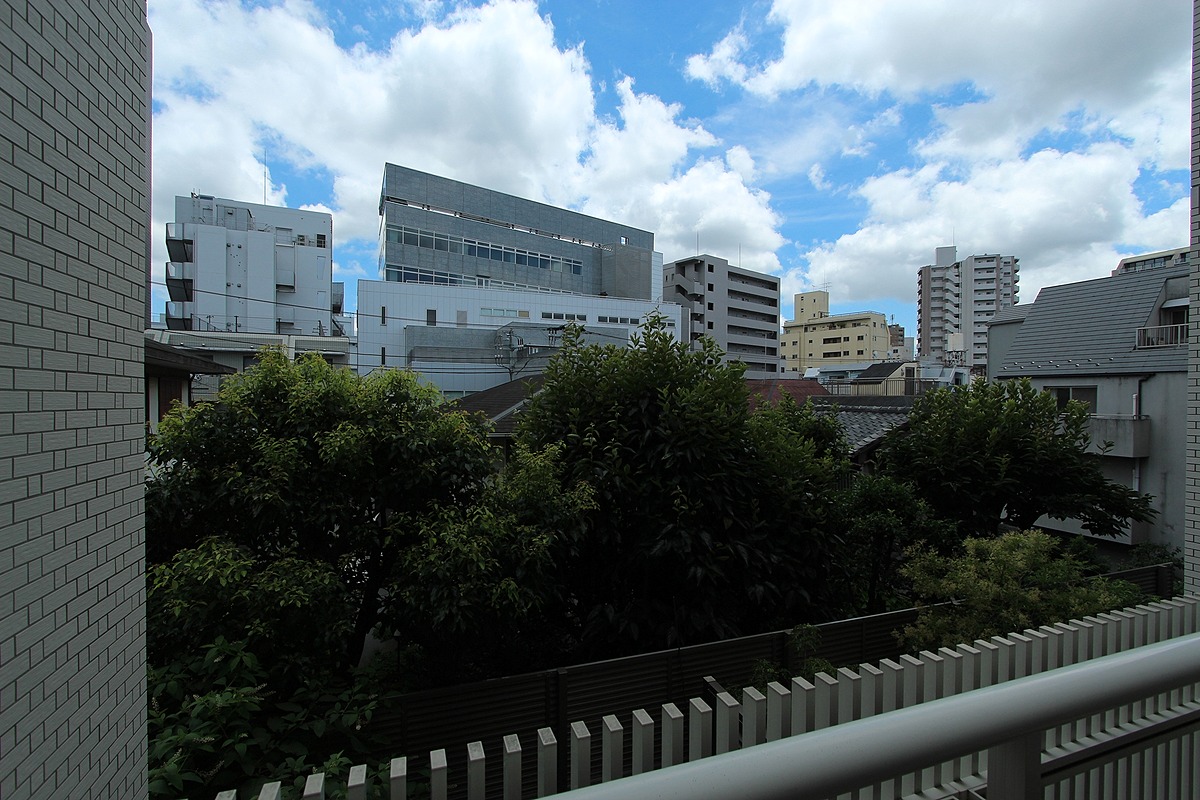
(1163,258)
(243,276)
(478,285)
(815,338)
(737,307)
(75,210)
(248,268)
(956,300)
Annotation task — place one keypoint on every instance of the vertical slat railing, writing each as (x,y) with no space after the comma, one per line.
(804,706)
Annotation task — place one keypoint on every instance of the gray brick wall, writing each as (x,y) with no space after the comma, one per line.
(1191,529)
(74,208)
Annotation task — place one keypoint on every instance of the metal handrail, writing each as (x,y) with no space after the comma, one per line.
(999,718)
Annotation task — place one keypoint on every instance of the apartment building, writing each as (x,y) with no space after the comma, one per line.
(1118,344)
(248,268)
(956,300)
(815,338)
(244,276)
(478,285)
(737,307)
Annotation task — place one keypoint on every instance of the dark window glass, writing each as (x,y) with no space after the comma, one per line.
(441,243)
(426,240)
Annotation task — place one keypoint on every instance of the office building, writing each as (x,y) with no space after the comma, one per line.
(737,307)
(479,285)
(956,300)
(815,338)
(75,202)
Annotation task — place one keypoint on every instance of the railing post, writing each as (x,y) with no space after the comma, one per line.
(643,742)
(314,787)
(512,767)
(1015,768)
(398,779)
(547,763)
(754,717)
(356,784)
(700,729)
(727,723)
(672,735)
(612,749)
(581,755)
(437,775)
(476,775)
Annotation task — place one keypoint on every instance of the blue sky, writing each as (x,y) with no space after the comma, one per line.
(833,143)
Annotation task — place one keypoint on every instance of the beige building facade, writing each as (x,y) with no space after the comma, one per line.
(815,338)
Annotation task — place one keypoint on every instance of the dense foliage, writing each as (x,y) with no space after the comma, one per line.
(705,522)
(993,453)
(1010,583)
(878,519)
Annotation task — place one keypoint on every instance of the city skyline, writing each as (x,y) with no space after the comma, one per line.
(725,129)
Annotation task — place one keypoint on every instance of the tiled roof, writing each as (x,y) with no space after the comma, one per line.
(866,420)
(1011,314)
(1090,328)
(502,404)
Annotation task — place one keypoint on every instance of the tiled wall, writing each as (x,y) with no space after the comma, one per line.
(74,206)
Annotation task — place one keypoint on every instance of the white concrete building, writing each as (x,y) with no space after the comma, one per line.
(478,285)
(464,339)
(737,307)
(956,300)
(248,268)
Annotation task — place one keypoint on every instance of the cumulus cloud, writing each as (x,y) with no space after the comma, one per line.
(1062,214)
(482,94)
(1026,127)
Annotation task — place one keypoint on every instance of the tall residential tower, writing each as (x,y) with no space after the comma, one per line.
(955,301)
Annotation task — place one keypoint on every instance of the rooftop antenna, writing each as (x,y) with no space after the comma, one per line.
(697,242)
(264,174)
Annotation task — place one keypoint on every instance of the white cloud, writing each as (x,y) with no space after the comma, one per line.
(1060,213)
(453,97)
(816,176)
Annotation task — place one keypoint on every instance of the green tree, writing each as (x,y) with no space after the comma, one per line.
(1003,585)
(993,453)
(699,526)
(878,519)
(300,459)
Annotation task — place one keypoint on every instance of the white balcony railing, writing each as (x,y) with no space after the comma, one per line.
(1162,336)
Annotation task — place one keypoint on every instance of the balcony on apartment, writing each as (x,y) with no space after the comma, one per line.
(179,316)
(1119,435)
(181,278)
(1162,336)
(180,246)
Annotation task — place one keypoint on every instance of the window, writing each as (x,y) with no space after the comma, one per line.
(860,338)
(860,352)
(710,287)
(710,308)
(383,315)
(710,327)
(383,356)
(431,317)
(1083,394)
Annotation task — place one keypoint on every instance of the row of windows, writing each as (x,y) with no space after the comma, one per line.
(478,249)
(565,316)
(505,312)
(419,275)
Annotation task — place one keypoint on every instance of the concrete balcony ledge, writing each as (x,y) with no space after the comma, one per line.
(1129,435)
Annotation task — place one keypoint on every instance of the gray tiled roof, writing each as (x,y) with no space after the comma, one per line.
(867,419)
(1011,314)
(1090,328)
